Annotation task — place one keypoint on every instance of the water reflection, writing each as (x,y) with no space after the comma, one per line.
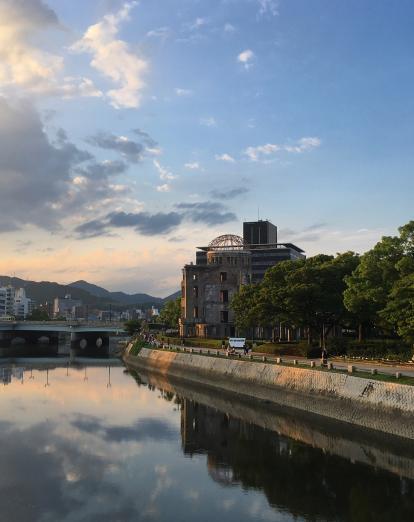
(103,448)
(341,479)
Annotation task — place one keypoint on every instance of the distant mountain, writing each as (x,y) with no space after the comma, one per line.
(46,291)
(119,297)
(172,297)
(90,294)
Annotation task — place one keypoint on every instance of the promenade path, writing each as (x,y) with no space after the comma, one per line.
(406,369)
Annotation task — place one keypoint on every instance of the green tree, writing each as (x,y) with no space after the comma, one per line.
(170,313)
(132,326)
(399,310)
(244,304)
(38,315)
(306,293)
(370,285)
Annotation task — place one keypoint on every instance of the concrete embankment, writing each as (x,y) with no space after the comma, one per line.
(382,406)
(368,447)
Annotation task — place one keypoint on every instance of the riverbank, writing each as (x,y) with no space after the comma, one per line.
(368,447)
(382,406)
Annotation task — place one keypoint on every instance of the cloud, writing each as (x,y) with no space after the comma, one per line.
(183,92)
(163,188)
(225,157)
(143,222)
(192,165)
(132,151)
(161,32)
(208,122)
(207,212)
(35,174)
(229,28)
(268,7)
(229,194)
(98,171)
(303,145)
(28,68)
(113,58)
(197,24)
(143,429)
(165,174)
(260,152)
(246,58)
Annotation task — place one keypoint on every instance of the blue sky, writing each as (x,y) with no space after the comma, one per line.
(141,130)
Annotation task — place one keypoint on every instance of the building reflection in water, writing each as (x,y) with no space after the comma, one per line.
(7,373)
(304,480)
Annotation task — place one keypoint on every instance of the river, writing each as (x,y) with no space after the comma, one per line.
(107,444)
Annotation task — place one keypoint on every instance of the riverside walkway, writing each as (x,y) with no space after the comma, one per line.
(405,369)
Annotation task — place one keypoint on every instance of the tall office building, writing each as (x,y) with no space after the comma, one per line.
(259,233)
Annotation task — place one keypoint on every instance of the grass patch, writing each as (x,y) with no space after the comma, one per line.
(192,341)
(137,346)
(301,349)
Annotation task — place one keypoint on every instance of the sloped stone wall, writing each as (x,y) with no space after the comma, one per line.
(383,406)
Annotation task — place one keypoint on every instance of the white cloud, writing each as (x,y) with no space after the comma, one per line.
(229,28)
(303,145)
(225,157)
(268,7)
(113,58)
(164,173)
(246,58)
(208,122)
(255,153)
(28,68)
(192,166)
(161,32)
(260,152)
(183,92)
(197,24)
(163,188)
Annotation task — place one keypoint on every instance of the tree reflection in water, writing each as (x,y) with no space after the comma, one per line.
(303,480)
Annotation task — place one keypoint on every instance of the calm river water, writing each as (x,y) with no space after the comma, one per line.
(90,444)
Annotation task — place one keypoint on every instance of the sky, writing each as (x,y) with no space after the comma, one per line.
(133,132)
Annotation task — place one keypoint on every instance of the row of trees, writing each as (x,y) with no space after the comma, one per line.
(168,317)
(369,293)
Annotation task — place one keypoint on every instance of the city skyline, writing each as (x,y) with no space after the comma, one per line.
(133,132)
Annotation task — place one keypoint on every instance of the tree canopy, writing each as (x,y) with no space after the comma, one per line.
(373,291)
(170,313)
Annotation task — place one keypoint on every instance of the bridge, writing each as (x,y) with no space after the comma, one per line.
(41,338)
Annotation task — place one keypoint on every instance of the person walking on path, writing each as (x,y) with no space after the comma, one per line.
(324,357)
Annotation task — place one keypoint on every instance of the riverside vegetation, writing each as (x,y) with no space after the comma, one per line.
(362,305)
(355,305)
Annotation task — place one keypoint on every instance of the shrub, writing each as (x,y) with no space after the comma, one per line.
(391,349)
(337,345)
(301,349)
(136,348)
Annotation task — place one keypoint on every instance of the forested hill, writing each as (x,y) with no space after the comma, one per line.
(89,294)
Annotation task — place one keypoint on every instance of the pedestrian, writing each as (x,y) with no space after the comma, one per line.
(223,344)
(324,357)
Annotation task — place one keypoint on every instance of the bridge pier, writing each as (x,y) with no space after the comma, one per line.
(89,344)
(28,344)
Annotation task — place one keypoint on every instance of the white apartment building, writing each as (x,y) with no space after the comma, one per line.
(23,305)
(14,303)
(66,307)
(6,301)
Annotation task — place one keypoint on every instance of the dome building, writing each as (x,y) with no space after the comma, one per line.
(221,268)
(209,285)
